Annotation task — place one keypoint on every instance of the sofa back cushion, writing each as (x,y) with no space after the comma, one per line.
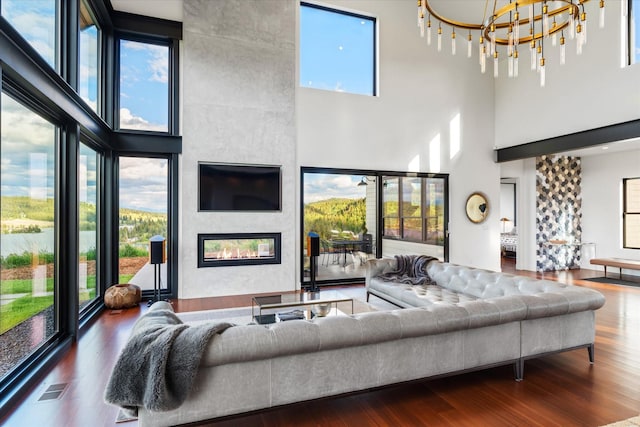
(488,284)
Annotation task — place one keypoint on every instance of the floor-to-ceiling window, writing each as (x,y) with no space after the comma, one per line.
(28,288)
(59,178)
(143,209)
(339,206)
(88,225)
(414,214)
(366,214)
(631,213)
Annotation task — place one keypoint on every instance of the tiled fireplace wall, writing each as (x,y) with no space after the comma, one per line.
(558,212)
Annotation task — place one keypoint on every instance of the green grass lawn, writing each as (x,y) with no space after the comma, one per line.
(124,278)
(21,286)
(27,306)
(22,309)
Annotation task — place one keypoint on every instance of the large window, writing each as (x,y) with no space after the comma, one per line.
(36,21)
(631,214)
(340,207)
(337,50)
(143,214)
(27,215)
(59,176)
(144,86)
(413,209)
(88,225)
(89,53)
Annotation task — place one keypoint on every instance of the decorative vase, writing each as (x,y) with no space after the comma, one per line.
(122,295)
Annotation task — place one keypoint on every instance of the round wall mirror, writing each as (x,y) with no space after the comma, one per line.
(477,208)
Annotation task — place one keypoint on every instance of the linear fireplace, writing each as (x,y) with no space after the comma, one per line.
(227,249)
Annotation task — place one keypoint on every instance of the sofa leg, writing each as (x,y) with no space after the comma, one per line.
(368,296)
(591,350)
(519,369)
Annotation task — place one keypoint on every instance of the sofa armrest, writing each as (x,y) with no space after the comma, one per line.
(375,267)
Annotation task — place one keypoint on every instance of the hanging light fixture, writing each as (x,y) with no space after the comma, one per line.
(505,23)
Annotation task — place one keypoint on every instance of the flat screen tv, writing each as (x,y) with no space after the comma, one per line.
(234,187)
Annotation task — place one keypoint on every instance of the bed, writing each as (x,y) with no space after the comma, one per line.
(508,244)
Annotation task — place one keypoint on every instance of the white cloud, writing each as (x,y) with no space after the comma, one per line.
(143,183)
(131,121)
(36,23)
(158,61)
(327,186)
(25,134)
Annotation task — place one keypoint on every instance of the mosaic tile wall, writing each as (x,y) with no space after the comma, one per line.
(558,212)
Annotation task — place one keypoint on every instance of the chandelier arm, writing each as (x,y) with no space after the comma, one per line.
(527,39)
(574,7)
(570,9)
(458,24)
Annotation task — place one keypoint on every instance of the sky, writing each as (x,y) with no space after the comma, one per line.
(144,183)
(27,146)
(144,86)
(321,186)
(28,143)
(336,51)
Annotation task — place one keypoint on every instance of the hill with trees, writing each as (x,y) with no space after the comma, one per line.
(335,214)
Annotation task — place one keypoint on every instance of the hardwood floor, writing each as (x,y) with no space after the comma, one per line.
(558,390)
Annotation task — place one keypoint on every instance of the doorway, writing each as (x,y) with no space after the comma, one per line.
(340,206)
(508,221)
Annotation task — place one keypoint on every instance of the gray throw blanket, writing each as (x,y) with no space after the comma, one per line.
(158,364)
(410,269)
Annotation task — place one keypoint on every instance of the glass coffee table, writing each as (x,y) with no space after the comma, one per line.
(317,304)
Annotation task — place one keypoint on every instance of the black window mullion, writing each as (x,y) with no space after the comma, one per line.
(69,42)
(627,212)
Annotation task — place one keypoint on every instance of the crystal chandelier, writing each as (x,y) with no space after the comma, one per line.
(518,25)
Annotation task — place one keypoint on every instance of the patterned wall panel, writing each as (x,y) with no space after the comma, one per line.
(558,212)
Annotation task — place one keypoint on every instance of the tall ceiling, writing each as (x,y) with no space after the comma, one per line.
(163,9)
(172,10)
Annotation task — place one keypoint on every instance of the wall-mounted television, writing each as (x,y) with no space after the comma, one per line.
(236,187)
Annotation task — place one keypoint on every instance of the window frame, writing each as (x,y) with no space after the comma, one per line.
(172,53)
(53,94)
(100,73)
(425,218)
(374,42)
(626,212)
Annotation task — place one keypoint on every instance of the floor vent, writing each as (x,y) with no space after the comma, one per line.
(53,392)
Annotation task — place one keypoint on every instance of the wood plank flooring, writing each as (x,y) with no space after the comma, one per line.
(558,390)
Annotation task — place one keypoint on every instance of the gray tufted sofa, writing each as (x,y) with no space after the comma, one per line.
(552,316)
(479,319)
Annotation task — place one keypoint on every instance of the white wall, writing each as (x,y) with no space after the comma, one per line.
(422,94)
(589,91)
(238,67)
(602,203)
